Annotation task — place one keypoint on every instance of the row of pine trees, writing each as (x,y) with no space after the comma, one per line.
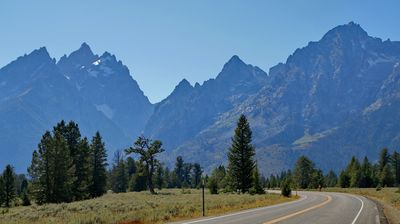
(384,173)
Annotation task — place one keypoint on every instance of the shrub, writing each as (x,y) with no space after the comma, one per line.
(286,190)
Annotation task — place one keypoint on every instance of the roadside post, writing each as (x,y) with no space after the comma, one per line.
(202,185)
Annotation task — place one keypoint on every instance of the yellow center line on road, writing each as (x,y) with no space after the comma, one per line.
(329,199)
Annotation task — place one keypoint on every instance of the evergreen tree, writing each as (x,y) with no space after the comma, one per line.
(396,167)
(130,166)
(98,164)
(63,171)
(240,157)
(148,150)
(167,178)
(196,175)
(2,195)
(354,171)
(159,176)
(178,172)
(41,171)
(139,179)
(119,178)
(344,179)
(8,185)
(285,189)
(187,181)
(257,187)
(366,174)
(383,158)
(303,172)
(331,179)
(318,180)
(81,163)
(386,177)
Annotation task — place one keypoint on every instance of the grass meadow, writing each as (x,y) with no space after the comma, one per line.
(137,207)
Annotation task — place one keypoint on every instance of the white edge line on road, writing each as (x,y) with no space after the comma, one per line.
(247,211)
(359,212)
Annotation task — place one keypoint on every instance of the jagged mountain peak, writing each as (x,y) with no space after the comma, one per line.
(350,31)
(82,56)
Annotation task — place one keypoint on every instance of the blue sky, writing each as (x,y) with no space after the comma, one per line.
(163,42)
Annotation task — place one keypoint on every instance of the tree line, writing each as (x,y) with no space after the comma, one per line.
(384,173)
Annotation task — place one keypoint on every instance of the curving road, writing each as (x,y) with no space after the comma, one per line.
(312,207)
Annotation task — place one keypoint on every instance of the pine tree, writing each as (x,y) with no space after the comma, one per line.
(196,175)
(148,150)
(257,187)
(139,179)
(118,174)
(98,164)
(2,195)
(396,167)
(159,177)
(178,172)
(63,171)
(366,174)
(354,171)
(386,177)
(331,179)
(8,179)
(130,166)
(318,180)
(240,157)
(41,171)
(303,172)
(383,158)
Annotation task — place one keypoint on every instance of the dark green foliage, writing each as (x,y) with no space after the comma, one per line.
(285,189)
(257,187)
(213,185)
(196,175)
(331,179)
(25,198)
(386,176)
(130,166)
(366,179)
(383,158)
(240,157)
(148,150)
(318,180)
(7,186)
(138,181)
(303,172)
(118,175)
(396,167)
(98,164)
(178,172)
(159,177)
(216,181)
(63,171)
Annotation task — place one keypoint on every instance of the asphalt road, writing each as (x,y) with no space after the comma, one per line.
(312,207)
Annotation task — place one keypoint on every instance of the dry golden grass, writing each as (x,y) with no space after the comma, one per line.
(389,198)
(137,207)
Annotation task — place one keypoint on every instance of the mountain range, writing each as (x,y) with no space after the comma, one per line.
(334,98)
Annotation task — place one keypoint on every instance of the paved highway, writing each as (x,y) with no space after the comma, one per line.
(312,207)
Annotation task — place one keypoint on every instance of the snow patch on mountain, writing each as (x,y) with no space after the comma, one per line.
(106,110)
(97,62)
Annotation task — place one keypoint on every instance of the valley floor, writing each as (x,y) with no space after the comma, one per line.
(138,207)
